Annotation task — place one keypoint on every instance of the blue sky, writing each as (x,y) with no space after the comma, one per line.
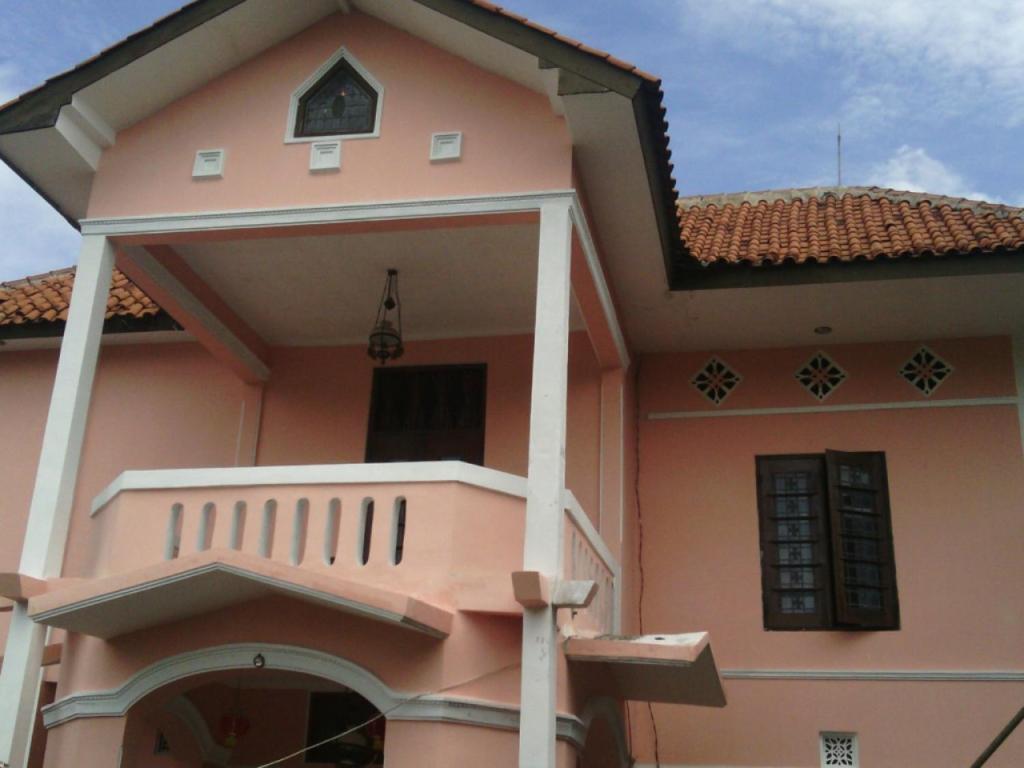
(930,93)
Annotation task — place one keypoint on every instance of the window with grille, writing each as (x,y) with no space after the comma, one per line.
(341,103)
(826,542)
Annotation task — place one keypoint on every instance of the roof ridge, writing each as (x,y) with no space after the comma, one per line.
(28,280)
(875,193)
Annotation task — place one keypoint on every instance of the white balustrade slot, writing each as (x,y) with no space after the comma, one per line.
(238,526)
(333,531)
(268,528)
(206,524)
(173,545)
(365,532)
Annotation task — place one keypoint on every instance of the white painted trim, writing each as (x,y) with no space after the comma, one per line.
(325,156)
(1018,372)
(212,752)
(298,93)
(439,142)
(314,474)
(191,304)
(49,515)
(546,496)
(582,227)
(976,402)
(177,223)
(200,168)
(262,218)
(879,675)
(116,702)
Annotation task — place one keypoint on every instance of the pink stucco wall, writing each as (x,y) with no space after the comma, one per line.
(512,142)
(172,405)
(956,479)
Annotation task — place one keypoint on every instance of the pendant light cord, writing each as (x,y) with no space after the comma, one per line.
(387,712)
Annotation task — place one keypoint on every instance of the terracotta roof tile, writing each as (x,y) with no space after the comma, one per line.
(45,298)
(843,224)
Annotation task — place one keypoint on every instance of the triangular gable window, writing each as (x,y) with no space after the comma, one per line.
(340,99)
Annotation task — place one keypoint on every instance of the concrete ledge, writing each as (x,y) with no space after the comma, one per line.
(212,580)
(18,587)
(674,669)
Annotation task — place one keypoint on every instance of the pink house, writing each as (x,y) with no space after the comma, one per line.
(627,479)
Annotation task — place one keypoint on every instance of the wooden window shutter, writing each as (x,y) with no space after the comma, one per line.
(863,566)
(792,505)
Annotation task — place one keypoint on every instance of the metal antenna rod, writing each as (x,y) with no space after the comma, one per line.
(839,155)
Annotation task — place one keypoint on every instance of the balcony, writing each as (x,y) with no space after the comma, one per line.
(405,543)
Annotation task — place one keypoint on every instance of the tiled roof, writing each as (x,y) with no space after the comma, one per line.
(45,299)
(844,224)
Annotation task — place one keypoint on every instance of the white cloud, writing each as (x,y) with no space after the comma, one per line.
(914,170)
(959,52)
(35,238)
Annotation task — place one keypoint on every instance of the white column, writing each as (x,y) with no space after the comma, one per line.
(546,482)
(50,513)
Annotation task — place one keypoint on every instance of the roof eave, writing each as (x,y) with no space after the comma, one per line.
(722,275)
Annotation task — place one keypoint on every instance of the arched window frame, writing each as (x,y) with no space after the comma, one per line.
(342,54)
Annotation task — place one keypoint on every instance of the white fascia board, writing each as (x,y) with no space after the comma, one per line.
(396,210)
(314,474)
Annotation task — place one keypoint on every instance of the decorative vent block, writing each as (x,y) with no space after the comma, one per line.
(926,371)
(209,164)
(445,147)
(716,380)
(325,156)
(821,375)
(839,749)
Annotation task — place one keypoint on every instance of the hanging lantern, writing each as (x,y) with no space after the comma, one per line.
(232,728)
(234,725)
(386,336)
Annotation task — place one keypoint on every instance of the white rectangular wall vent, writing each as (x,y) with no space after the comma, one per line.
(445,146)
(209,164)
(325,156)
(839,750)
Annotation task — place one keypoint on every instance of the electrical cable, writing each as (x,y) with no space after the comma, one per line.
(640,542)
(387,712)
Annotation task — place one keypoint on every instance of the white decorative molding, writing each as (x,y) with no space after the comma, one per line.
(325,156)
(313,79)
(209,164)
(879,675)
(174,223)
(839,750)
(396,705)
(445,147)
(847,408)
(86,132)
(314,474)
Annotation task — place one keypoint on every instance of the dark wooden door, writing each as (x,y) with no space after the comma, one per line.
(428,414)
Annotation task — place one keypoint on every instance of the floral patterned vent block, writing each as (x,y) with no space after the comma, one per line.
(839,749)
(716,380)
(926,371)
(821,375)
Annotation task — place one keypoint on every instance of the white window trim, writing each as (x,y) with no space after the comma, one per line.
(298,93)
